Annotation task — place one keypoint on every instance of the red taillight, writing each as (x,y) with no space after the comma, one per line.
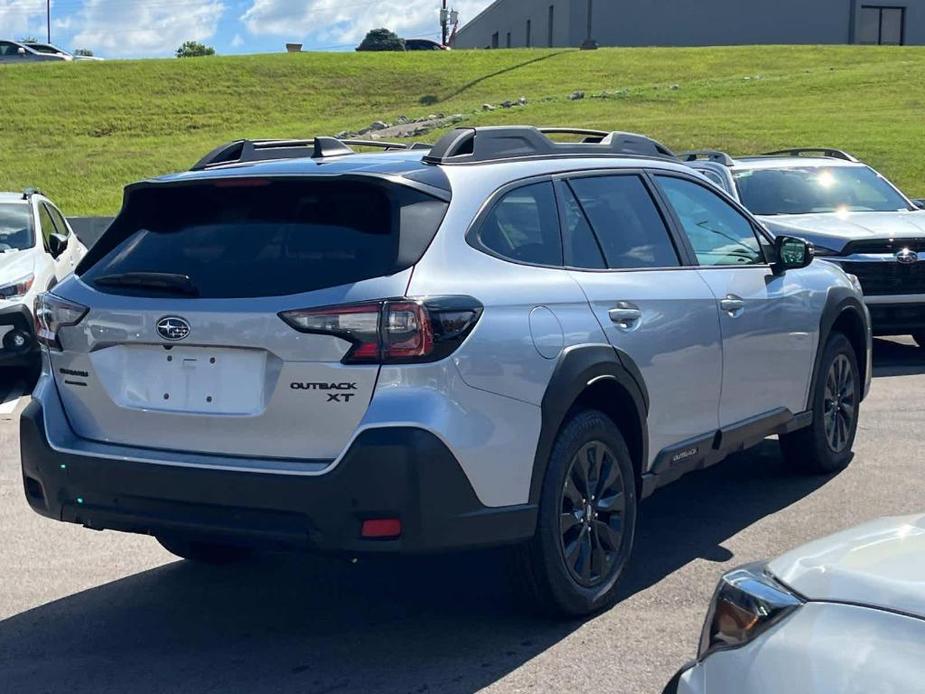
(399,331)
(407,332)
(381,528)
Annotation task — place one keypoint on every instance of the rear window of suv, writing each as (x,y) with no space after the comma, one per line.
(263,237)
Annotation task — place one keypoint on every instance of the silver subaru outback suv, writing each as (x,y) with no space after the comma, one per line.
(500,340)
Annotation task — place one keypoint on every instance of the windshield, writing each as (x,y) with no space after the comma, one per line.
(15,227)
(815,189)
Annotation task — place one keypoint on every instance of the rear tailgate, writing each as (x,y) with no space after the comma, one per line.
(216,369)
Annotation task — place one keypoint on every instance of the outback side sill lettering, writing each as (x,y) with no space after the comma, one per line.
(683,455)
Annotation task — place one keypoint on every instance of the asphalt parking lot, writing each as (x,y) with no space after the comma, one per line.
(101,612)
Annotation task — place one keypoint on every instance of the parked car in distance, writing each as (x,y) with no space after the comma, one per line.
(13,52)
(37,250)
(502,340)
(424,45)
(51,49)
(842,614)
(853,215)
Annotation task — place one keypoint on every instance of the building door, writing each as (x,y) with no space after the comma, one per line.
(885,26)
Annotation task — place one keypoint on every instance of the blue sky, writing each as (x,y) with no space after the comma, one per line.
(152,28)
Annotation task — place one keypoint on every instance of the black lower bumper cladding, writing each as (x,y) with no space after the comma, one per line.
(897,319)
(403,473)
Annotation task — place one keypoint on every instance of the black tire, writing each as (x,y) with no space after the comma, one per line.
(573,564)
(919,338)
(204,552)
(824,447)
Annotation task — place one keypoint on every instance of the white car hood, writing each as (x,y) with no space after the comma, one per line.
(880,564)
(852,226)
(14,265)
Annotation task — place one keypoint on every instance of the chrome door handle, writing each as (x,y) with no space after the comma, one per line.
(732,304)
(625,316)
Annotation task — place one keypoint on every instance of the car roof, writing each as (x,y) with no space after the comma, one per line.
(783,162)
(8,197)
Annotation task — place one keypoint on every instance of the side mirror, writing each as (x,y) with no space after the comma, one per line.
(792,253)
(919,203)
(56,244)
(20,51)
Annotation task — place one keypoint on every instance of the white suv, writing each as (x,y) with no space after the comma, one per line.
(37,250)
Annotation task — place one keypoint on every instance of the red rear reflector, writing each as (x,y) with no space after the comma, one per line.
(381,528)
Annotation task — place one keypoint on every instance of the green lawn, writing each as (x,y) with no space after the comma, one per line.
(81,131)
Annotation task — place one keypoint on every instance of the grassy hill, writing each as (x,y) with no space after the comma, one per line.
(82,131)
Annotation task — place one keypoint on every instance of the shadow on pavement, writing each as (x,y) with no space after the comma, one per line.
(690,519)
(287,623)
(898,357)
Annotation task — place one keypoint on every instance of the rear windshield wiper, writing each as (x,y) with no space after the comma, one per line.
(159,281)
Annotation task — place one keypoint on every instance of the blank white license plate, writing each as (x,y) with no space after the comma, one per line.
(193,379)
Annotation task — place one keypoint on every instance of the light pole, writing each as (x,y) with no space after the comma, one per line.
(444,23)
(589,43)
(48,18)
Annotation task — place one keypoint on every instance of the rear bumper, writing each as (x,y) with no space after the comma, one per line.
(404,473)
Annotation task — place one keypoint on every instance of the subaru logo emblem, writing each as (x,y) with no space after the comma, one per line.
(907,257)
(172,328)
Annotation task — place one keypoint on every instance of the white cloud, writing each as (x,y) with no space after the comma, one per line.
(237,41)
(347,21)
(125,28)
(21,17)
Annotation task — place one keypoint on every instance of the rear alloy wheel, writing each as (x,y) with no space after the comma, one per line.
(825,446)
(204,552)
(592,514)
(587,519)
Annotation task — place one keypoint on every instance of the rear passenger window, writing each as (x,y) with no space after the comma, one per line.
(524,226)
(627,222)
(581,248)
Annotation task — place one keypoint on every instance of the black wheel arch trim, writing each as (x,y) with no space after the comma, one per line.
(578,368)
(841,300)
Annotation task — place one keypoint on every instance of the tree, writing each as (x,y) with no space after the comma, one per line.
(382,40)
(28,39)
(85,52)
(194,49)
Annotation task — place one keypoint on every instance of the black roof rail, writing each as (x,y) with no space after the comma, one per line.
(824,151)
(713,155)
(496,143)
(242,151)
